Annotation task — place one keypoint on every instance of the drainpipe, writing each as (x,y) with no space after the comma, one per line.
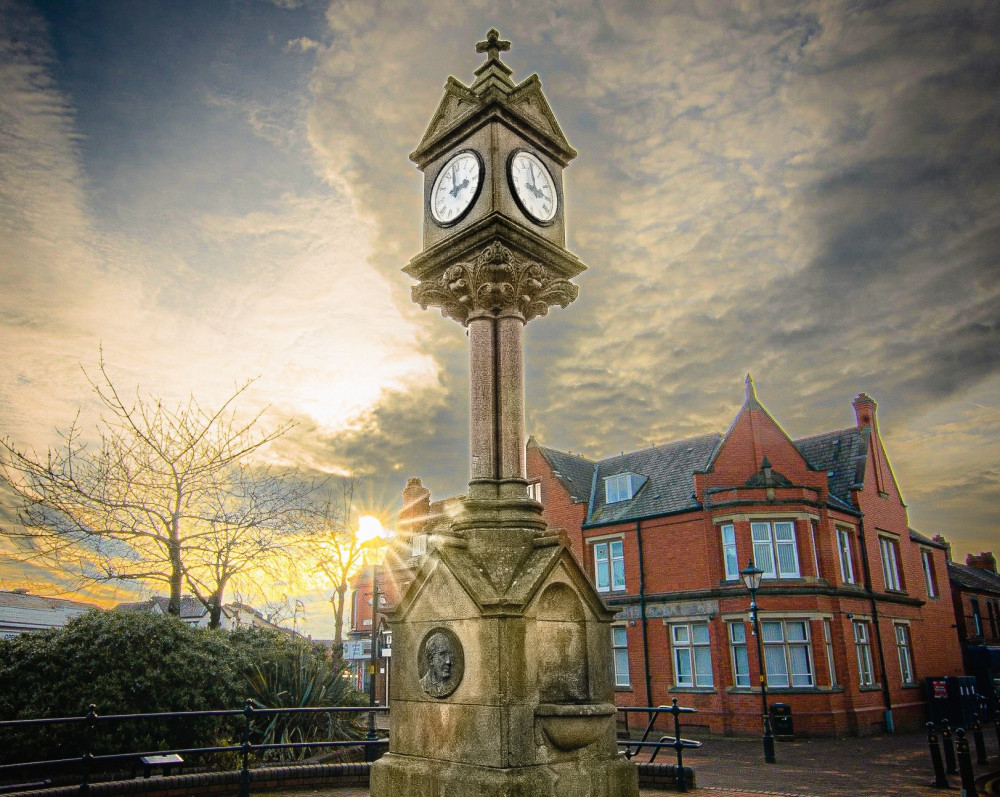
(642,614)
(890,726)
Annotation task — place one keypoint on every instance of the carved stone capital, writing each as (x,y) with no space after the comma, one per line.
(495,282)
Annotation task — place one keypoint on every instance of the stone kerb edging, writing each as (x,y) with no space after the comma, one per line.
(206,783)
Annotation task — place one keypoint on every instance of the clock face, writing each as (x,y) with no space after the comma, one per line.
(456,188)
(533,186)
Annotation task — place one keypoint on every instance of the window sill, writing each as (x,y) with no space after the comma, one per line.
(784,690)
(623,688)
(912,685)
(692,690)
(870,688)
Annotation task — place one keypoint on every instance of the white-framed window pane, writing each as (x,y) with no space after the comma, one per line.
(801,667)
(770,631)
(788,557)
(796,631)
(683,674)
(618,488)
(775,665)
(846,562)
(729,556)
(738,645)
(602,568)
(692,655)
(890,563)
(905,653)
(928,563)
(619,642)
(617,565)
(862,647)
(831,664)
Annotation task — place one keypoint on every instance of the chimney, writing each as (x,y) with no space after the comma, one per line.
(416,505)
(985,560)
(945,543)
(864,411)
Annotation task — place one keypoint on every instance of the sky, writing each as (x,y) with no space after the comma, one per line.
(210,191)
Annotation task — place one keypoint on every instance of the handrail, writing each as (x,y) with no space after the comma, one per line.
(678,743)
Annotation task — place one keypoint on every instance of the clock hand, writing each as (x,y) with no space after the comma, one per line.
(454,191)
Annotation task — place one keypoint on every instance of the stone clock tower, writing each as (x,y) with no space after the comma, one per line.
(501,682)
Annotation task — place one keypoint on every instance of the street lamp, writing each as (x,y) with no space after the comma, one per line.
(751,576)
(372,537)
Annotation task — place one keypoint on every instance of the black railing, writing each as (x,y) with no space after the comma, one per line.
(17,775)
(679,744)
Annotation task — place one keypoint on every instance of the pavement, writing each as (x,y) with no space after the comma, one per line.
(874,766)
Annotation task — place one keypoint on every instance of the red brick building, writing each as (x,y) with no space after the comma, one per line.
(855,607)
(975,593)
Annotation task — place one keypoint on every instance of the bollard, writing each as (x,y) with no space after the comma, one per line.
(965,766)
(940,778)
(977,737)
(949,748)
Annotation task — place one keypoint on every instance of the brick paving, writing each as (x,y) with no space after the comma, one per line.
(876,766)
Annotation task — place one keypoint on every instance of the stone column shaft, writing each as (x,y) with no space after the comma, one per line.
(510,349)
(483,400)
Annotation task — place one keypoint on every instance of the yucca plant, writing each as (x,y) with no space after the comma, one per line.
(305,677)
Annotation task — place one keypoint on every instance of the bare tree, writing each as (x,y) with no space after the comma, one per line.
(337,553)
(169,496)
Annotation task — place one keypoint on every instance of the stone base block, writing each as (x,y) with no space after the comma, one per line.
(394,775)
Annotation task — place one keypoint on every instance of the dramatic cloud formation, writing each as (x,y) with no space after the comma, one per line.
(804,190)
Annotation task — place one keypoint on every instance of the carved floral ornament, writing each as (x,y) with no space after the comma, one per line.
(496,282)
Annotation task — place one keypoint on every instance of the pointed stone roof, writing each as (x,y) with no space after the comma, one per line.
(493,96)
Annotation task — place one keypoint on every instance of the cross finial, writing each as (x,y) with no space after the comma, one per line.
(493,45)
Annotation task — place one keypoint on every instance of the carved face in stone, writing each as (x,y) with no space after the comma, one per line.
(442,663)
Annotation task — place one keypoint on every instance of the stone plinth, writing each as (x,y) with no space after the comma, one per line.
(524,705)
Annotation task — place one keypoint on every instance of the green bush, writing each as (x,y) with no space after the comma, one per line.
(128,663)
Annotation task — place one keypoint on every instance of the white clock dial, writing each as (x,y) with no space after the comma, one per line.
(456,187)
(533,186)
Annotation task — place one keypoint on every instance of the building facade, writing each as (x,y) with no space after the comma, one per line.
(975,593)
(855,606)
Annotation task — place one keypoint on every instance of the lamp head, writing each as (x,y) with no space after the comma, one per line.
(751,576)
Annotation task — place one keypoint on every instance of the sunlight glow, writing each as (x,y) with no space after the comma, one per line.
(370,527)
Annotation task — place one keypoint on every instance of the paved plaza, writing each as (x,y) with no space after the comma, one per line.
(877,766)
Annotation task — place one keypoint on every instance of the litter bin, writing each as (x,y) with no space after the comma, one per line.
(781,721)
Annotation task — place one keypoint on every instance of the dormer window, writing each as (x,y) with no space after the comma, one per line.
(618,488)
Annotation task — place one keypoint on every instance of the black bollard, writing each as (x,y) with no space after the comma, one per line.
(949,748)
(965,766)
(940,778)
(977,737)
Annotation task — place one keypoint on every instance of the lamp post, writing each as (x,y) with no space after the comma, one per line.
(751,576)
(373,540)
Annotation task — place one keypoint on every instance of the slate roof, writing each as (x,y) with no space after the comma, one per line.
(191,607)
(666,480)
(14,599)
(666,473)
(973,578)
(575,472)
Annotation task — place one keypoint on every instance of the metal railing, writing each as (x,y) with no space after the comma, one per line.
(88,762)
(679,744)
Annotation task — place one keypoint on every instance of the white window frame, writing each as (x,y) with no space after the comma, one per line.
(727,534)
(904,649)
(418,545)
(535,491)
(828,640)
(607,557)
(619,654)
(692,648)
(794,653)
(740,656)
(863,648)
(888,548)
(927,562)
(618,488)
(768,548)
(845,552)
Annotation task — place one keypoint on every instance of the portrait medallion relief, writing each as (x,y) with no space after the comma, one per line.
(440,662)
